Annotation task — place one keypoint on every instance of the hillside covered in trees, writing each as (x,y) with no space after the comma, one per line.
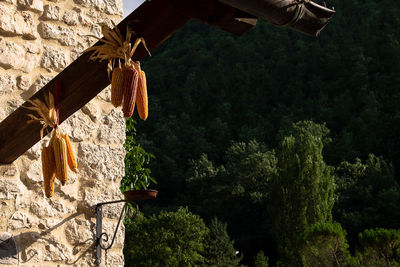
(288,144)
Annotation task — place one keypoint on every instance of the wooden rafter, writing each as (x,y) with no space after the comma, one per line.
(82,80)
(155,21)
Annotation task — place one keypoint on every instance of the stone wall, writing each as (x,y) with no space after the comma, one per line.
(38,39)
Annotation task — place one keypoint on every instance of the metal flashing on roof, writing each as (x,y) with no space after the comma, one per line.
(300,15)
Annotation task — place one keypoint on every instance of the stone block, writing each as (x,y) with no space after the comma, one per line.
(92,111)
(44,207)
(7,84)
(79,231)
(7,208)
(35,151)
(9,189)
(33,47)
(64,35)
(41,81)
(85,20)
(70,190)
(115,259)
(14,56)
(71,18)
(112,128)
(48,30)
(33,177)
(109,228)
(105,94)
(79,127)
(32,5)
(8,171)
(56,252)
(41,208)
(113,7)
(101,162)
(51,12)
(23,82)
(21,220)
(101,192)
(13,22)
(54,59)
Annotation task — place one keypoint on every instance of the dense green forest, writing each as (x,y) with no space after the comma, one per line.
(281,146)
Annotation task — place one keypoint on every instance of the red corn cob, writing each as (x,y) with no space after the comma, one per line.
(131,76)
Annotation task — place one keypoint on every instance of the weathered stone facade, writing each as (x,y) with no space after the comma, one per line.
(38,39)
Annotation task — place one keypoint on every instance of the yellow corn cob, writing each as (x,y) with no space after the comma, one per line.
(49,170)
(117,89)
(70,154)
(60,156)
(141,99)
(131,76)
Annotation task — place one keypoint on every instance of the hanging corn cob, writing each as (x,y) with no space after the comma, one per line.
(141,97)
(117,83)
(70,154)
(124,79)
(131,76)
(49,170)
(58,155)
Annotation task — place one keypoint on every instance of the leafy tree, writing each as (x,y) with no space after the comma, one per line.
(302,192)
(208,88)
(220,251)
(325,244)
(241,182)
(167,239)
(260,260)
(381,247)
(367,196)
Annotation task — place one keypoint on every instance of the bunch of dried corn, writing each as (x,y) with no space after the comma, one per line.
(129,80)
(58,155)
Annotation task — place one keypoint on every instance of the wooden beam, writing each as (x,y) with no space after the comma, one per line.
(82,80)
(218,14)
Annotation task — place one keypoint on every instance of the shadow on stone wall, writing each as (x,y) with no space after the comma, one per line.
(47,247)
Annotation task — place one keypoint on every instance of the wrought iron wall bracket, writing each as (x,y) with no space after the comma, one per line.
(103,236)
